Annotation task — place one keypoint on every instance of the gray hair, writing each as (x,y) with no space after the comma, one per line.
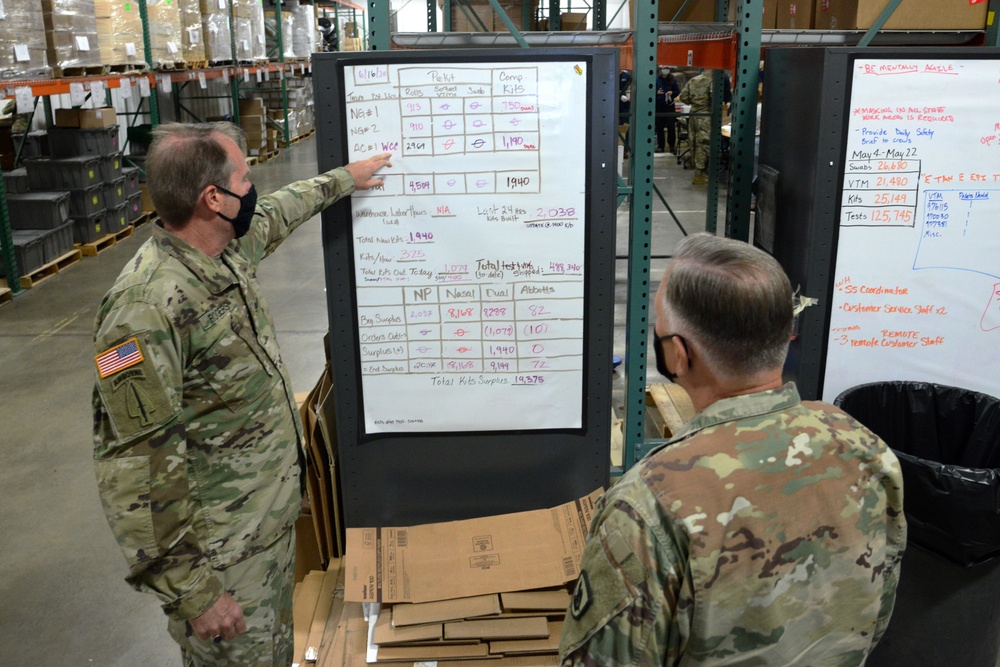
(733,300)
(183,160)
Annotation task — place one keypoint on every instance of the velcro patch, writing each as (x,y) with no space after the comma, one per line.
(582,597)
(118,358)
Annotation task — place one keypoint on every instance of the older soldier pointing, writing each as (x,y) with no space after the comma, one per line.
(769,531)
(197,439)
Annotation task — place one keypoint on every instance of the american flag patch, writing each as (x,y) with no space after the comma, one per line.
(119,357)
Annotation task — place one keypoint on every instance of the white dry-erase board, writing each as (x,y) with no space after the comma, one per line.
(916,289)
(471,294)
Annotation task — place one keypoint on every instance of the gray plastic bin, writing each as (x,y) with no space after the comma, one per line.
(87,201)
(111,167)
(73,141)
(133,207)
(114,192)
(38,210)
(16,181)
(29,250)
(131,175)
(72,173)
(58,242)
(89,228)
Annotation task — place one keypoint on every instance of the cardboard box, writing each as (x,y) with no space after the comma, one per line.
(703,11)
(253,106)
(94,118)
(307,555)
(441,561)
(444,610)
(67,117)
(573,21)
(549,644)
(909,15)
(386,633)
(794,14)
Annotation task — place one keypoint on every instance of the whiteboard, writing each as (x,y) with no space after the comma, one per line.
(469,261)
(916,293)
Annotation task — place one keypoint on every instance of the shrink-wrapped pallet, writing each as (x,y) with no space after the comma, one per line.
(71,35)
(22,41)
(304,30)
(218,39)
(192,31)
(165,42)
(119,32)
(249,27)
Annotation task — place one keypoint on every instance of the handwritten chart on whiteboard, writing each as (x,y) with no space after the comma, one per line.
(917,283)
(469,260)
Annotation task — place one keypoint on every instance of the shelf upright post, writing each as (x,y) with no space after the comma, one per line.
(744,118)
(879,22)
(234,83)
(640,229)
(515,33)
(7,239)
(154,106)
(431,17)
(554,15)
(281,60)
(600,15)
(378,26)
(445,15)
(992,18)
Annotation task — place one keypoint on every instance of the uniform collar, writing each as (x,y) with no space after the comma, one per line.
(739,407)
(210,271)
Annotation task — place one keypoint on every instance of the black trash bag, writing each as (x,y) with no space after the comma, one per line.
(948,444)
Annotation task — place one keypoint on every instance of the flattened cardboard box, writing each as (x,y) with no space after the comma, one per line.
(440,561)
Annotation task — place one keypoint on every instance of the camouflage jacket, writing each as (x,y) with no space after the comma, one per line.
(698,93)
(768,532)
(197,439)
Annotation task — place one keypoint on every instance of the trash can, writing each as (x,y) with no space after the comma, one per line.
(947,441)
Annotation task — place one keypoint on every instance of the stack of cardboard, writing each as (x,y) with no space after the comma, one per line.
(479,16)
(253,122)
(215,21)
(119,33)
(493,588)
(192,31)
(165,43)
(71,34)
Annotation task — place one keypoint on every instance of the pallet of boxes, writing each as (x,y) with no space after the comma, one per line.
(489,591)
(253,122)
(86,162)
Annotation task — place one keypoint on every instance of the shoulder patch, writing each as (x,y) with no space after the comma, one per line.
(582,597)
(118,358)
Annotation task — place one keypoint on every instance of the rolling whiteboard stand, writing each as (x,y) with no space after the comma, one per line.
(911,290)
(471,295)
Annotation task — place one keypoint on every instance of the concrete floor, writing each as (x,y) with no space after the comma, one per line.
(64,600)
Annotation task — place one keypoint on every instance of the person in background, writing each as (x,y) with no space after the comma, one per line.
(666,124)
(197,438)
(769,530)
(698,93)
(625,105)
(328,34)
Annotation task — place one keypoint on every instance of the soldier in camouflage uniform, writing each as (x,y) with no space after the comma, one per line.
(698,93)
(769,531)
(197,439)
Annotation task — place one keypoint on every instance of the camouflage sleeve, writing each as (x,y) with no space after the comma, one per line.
(685,96)
(624,607)
(895,542)
(139,456)
(279,213)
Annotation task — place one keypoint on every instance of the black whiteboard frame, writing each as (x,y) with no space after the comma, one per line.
(411,478)
(804,126)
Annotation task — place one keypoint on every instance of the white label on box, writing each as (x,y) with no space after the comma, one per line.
(130,48)
(281,73)
(25,100)
(97,92)
(21,53)
(165,84)
(144,87)
(222,4)
(124,84)
(246,45)
(260,76)
(171,47)
(194,34)
(77,94)
(3,14)
(201,80)
(82,43)
(246,75)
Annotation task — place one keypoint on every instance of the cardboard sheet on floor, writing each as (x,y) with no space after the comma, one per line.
(440,561)
(418,613)
(532,627)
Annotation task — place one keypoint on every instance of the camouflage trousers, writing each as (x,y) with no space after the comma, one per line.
(698,130)
(263,586)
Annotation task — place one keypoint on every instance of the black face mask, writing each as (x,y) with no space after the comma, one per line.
(248,204)
(661,364)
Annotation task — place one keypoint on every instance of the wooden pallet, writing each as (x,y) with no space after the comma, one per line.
(46,271)
(146,217)
(100,245)
(83,70)
(673,407)
(127,68)
(251,160)
(267,156)
(304,135)
(5,295)
(171,65)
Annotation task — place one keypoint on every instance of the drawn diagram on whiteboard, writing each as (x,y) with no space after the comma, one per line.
(469,261)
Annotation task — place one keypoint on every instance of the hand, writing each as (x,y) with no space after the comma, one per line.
(363,170)
(223,619)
